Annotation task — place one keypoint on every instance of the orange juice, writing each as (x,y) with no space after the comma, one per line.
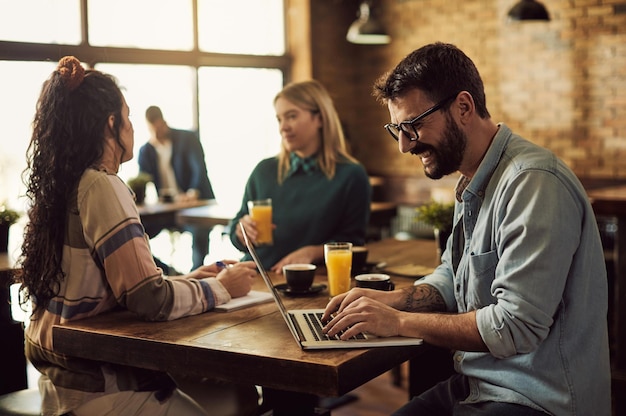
(262,215)
(338,268)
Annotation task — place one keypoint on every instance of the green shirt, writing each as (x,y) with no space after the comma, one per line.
(308,208)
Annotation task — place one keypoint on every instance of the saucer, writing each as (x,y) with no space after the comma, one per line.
(310,292)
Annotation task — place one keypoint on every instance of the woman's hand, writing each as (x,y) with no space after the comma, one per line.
(306,254)
(251,229)
(238,278)
(250,226)
(214,268)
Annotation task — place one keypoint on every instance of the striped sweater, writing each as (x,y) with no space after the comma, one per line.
(108,264)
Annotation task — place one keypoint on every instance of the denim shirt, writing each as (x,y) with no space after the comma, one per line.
(525,253)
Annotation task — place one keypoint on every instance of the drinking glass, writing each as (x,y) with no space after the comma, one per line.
(261,212)
(338,258)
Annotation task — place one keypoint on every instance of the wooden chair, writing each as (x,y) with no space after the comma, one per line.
(16,398)
(25,402)
(618,387)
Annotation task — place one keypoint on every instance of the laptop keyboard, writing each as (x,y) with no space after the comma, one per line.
(314,321)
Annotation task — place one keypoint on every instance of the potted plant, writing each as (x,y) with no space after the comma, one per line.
(8,217)
(138,186)
(440,216)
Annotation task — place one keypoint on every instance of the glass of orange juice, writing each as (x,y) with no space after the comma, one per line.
(338,258)
(261,213)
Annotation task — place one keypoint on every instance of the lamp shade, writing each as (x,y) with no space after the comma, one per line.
(366,30)
(528,10)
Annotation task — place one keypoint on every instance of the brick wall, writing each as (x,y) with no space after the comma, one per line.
(560,84)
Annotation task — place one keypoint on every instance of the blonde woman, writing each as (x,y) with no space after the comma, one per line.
(319,192)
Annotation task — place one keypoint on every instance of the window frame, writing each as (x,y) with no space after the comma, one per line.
(295,59)
(92,55)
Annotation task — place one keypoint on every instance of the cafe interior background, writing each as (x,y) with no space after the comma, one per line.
(215,66)
(560,83)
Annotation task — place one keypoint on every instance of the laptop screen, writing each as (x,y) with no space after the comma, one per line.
(267,280)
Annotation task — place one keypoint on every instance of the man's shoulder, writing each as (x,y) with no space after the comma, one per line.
(525,155)
(146,145)
(513,153)
(522,156)
(180,134)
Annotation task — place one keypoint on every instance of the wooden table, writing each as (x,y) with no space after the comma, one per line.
(5,262)
(611,201)
(252,345)
(207,215)
(165,212)
(212,214)
(381,214)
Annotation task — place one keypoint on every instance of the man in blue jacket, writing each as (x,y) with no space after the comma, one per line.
(175,160)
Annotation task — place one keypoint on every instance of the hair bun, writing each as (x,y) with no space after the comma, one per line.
(71,71)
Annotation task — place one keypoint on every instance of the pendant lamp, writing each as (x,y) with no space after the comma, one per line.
(528,10)
(366,30)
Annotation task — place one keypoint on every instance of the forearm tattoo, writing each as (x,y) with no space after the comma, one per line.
(423,298)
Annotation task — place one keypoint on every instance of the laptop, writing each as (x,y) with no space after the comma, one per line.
(306,325)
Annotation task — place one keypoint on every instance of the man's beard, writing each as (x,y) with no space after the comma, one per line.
(448,155)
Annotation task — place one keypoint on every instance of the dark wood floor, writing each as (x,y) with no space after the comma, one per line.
(378,397)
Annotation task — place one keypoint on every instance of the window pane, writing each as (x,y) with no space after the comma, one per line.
(241,26)
(17,106)
(169,87)
(40,21)
(148,24)
(17,111)
(238,125)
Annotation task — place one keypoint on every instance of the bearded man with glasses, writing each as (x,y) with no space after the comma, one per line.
(521,294)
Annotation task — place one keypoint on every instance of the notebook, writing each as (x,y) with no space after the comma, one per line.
(305,324)
(254,297)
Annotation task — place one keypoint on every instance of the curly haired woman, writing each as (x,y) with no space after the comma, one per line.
(85,251)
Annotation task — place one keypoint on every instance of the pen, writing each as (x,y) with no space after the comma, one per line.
(222,265)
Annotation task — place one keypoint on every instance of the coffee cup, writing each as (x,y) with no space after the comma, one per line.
(167,194)
(299,277)
(359,259)
(376,281)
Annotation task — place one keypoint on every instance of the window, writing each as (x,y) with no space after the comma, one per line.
(241,26)
(170,87)
(238,125)
(17,109)
(234,71)
(148,24)
(39,21)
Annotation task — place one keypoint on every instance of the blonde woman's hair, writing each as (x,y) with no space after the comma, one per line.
(312,96)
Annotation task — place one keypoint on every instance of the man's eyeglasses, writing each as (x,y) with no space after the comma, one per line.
(408,127)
